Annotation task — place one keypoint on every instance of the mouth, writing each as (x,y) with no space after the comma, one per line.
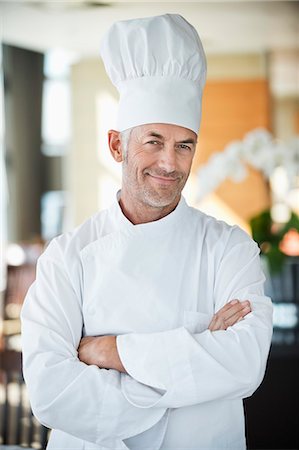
(162,180)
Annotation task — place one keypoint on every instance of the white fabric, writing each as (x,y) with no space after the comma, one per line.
(156,286)
(159,68)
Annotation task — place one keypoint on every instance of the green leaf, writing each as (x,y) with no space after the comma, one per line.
(275,259)
(261,227)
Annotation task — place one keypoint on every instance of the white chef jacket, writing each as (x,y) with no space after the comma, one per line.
(156,286)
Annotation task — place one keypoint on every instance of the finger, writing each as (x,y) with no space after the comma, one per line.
(217,323)
(226,316)
(235,309)
(240,310)
(238,319)
(234,302)
(212,324)
(245,303)
(228,305)
(238,316)
(223,315)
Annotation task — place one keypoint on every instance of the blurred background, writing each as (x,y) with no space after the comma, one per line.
(57,104)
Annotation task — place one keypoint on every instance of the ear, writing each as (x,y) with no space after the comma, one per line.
(115,145)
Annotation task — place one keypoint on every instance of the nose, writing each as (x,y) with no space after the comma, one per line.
(167,160)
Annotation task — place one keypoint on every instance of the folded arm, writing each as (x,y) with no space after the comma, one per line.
(65,393)
(191,368)
(102,350)
(221,362)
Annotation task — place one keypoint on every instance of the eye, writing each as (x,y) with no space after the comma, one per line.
(184,147)
(154,142)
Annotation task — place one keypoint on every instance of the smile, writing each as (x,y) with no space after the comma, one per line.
(162,180)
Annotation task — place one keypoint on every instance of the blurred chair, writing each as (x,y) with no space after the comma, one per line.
(18,425)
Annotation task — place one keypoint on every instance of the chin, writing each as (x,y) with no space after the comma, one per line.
(160,200)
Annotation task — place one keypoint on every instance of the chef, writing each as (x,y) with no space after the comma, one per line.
(147,325)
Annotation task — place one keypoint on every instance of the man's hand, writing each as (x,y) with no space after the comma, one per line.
(100,351)
(230,314)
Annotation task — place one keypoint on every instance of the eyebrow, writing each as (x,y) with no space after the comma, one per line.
(188,141)
(154,134)
(159,136)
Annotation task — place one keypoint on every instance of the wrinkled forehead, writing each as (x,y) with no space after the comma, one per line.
(164,131)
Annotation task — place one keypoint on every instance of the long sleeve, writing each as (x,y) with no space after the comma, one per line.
(66,394)
(192,368)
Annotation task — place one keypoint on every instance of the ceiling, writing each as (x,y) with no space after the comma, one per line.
(224,27)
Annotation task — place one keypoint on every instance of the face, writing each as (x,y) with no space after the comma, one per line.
(157,164)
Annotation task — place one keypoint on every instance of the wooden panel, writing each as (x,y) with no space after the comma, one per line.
(231,108)
(296,120)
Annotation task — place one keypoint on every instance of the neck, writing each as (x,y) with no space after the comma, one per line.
(140,213)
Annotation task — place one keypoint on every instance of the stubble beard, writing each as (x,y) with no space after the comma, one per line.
(148,196)
(160,198)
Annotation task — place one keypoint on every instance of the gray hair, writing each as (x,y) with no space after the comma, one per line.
(124,139)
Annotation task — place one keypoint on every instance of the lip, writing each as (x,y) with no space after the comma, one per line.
(163,180)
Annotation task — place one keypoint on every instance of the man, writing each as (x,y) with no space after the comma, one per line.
(138,332)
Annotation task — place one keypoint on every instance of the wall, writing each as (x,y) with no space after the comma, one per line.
(236,101)
(88,162)
(23,77)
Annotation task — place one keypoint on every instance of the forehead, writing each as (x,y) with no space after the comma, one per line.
(166,131)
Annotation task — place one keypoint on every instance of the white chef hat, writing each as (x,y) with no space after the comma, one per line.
(159,67)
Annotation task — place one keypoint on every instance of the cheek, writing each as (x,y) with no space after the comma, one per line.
(133,171)
(140,162)
(185,164)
